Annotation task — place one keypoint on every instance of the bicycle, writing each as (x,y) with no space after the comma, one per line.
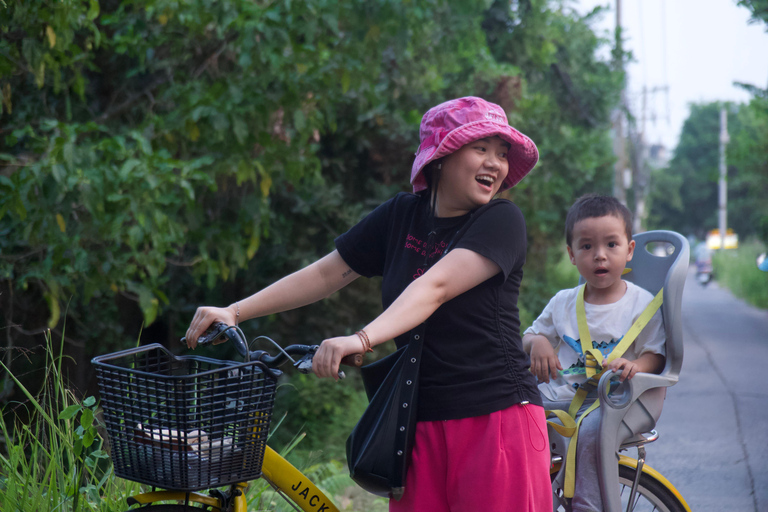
(189,423)
(642,488)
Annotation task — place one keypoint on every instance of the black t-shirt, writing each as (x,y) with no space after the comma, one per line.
(473,361)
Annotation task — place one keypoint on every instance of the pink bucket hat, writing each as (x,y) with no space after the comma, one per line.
(455,123)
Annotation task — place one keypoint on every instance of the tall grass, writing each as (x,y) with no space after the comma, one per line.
(56,459)
(737,270)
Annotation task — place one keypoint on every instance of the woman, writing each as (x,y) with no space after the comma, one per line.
(481,440)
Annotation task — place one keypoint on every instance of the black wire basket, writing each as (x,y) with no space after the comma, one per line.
(185,422)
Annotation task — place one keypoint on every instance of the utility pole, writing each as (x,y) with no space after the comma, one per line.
(723,192)
(619,150)
(641,169)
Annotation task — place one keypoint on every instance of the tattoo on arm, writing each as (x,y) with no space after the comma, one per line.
(346,273)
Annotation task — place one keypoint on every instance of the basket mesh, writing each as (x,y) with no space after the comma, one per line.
(184,423)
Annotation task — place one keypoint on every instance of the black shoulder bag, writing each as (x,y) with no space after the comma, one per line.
(379,447)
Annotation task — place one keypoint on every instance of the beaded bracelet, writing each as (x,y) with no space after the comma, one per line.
(364,340)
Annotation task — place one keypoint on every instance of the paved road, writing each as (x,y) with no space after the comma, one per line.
(714,428)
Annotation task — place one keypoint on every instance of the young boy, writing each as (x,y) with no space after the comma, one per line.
(599,241)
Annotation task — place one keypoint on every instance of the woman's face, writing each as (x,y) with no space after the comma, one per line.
(471,176)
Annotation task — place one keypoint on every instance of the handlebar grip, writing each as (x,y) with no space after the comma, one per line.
(355,360)
(212,333)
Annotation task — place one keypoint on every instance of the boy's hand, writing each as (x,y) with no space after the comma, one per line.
(646,363)
(544,361)
(628,368)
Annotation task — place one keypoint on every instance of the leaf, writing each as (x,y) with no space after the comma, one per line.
(299,120)
(193,132)
(86,420)
(187,186)
(53,307)
(253,246)
(240,129)
(70,412)
(61,223)
(147,302)
(88,438)
(266,184)
(51,36)
(346,79)
(93,10)
(90,401)
(40,75)
(127,167)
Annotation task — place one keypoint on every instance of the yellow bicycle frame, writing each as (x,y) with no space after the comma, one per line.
(280,474)
(284,477)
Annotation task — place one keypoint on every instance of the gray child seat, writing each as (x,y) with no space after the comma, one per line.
(634,407)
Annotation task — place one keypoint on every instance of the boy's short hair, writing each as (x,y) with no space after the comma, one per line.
(594,205)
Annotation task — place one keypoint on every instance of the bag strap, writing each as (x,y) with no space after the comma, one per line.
(406,415)
(473,217)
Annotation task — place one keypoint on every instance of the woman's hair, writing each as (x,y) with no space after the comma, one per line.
(432,172)
(594,205)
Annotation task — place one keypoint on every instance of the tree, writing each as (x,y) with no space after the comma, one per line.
(748,156)
(157,155)
(565,105)
(685,195)
(153,147)
(759,9)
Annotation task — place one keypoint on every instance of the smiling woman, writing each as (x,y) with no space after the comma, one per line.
(450,286)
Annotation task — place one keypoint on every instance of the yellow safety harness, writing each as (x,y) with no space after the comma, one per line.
(570,424)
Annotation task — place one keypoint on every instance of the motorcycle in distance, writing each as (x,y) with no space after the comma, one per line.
(704,270)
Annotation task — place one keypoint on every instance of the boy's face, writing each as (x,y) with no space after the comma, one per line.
(600,250)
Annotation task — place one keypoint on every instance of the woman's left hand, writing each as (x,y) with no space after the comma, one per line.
(328,357)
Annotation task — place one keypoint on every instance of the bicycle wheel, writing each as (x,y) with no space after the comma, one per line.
(652,495)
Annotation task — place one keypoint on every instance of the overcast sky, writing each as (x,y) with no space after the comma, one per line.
(696,48)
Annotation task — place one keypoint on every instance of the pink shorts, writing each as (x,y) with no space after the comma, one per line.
(495,462)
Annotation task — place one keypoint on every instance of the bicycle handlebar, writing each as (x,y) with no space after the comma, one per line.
(305,352)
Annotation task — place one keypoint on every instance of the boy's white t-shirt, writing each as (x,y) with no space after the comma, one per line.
(607,324)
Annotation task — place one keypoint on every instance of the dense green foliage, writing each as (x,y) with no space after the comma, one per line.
(156,155)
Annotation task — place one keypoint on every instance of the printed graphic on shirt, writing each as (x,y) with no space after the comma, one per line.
(415,244)
(578,368)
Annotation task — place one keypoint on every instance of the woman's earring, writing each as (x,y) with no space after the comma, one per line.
(439,166)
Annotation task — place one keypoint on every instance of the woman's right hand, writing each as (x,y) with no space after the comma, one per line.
(204,317)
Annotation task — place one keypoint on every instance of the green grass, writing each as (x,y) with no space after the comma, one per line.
(737,270)
(55,459)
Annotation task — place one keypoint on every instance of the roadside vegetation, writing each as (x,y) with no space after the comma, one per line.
(737,270)
(158,155)
(55,457)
